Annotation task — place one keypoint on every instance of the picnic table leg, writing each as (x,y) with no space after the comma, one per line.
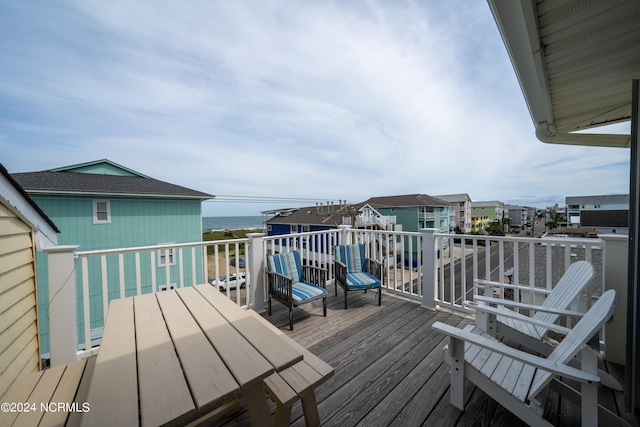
(256,402)
(310,408)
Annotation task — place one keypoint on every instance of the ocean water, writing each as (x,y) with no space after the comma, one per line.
(210,223)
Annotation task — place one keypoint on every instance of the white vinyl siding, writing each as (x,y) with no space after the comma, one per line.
(20,351)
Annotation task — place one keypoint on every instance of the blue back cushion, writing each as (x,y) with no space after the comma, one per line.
(352,256)
(288,264)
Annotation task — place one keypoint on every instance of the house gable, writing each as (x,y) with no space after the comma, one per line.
(100,167)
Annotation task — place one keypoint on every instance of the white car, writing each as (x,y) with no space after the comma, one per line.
(231,281)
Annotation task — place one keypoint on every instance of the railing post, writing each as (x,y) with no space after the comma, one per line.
(257,270)
(429,268)
(615,254)
(63,325)
(345,235)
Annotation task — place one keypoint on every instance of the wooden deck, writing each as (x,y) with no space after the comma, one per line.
(389,369)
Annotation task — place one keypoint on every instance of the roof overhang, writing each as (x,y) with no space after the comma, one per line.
(575,61)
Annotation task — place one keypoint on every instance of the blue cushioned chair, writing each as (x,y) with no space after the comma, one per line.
(354,271)
(293,284)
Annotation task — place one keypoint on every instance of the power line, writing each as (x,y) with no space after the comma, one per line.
(267,199)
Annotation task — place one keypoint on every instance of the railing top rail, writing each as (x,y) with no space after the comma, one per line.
(156,247)
(305,233)
(564,240)
(386,232)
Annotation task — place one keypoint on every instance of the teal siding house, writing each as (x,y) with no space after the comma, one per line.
(415,211)
(103,205)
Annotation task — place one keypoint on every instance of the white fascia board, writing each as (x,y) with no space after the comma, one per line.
(47,236)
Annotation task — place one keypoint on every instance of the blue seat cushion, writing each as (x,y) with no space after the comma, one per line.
(362,281)
(304,292)
(352,256)
(287,264)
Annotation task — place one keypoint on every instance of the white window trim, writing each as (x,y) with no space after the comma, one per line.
(95,211)
(172,256)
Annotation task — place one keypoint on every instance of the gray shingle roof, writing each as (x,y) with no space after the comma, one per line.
(28,199)
(94,184)
(406,200)
(312,215)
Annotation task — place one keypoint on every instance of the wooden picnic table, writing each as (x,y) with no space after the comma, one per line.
(177,356)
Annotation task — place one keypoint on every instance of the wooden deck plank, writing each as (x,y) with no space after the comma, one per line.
(420,397)
(42,394)
(65,392)
(209,379)
(115,363)
(352,400)
(164,394)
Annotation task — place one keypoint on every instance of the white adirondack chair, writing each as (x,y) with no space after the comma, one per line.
(495,316)
(515,379)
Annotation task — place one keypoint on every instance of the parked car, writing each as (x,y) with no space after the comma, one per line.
(240,262)
(231,281)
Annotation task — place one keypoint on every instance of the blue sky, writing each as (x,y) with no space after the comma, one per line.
(304,101)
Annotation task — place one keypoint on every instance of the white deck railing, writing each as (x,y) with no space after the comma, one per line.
(435,268)
(530,262)
(105,275)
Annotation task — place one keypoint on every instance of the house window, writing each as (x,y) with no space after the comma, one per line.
(306,229)
(101,212)
(294,228)
(162,254)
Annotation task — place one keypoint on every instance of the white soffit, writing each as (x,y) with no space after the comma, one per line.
(575,61)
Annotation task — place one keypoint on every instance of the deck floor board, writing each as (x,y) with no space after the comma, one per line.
(389,368)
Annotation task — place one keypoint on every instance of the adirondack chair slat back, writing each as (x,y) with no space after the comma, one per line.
(586,328)
(574,280)
(288,264)
(352,256)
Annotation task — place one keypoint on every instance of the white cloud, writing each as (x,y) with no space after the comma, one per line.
(307,99)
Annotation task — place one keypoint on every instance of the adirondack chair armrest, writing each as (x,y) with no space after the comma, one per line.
(515,315)
(481,283)
(514,304)
(555,368)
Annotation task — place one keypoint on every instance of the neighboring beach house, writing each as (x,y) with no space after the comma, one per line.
(414,211)
(493,209)
(479,221)
(305,219)
(104,205)
(460,211)
(24,229)
(518,216)
(605,213)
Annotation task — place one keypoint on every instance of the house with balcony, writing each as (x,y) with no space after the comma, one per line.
(460,211)
(479,221)
(518,216)
(493,209)
(102,205)
(415,211)
(604,213)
